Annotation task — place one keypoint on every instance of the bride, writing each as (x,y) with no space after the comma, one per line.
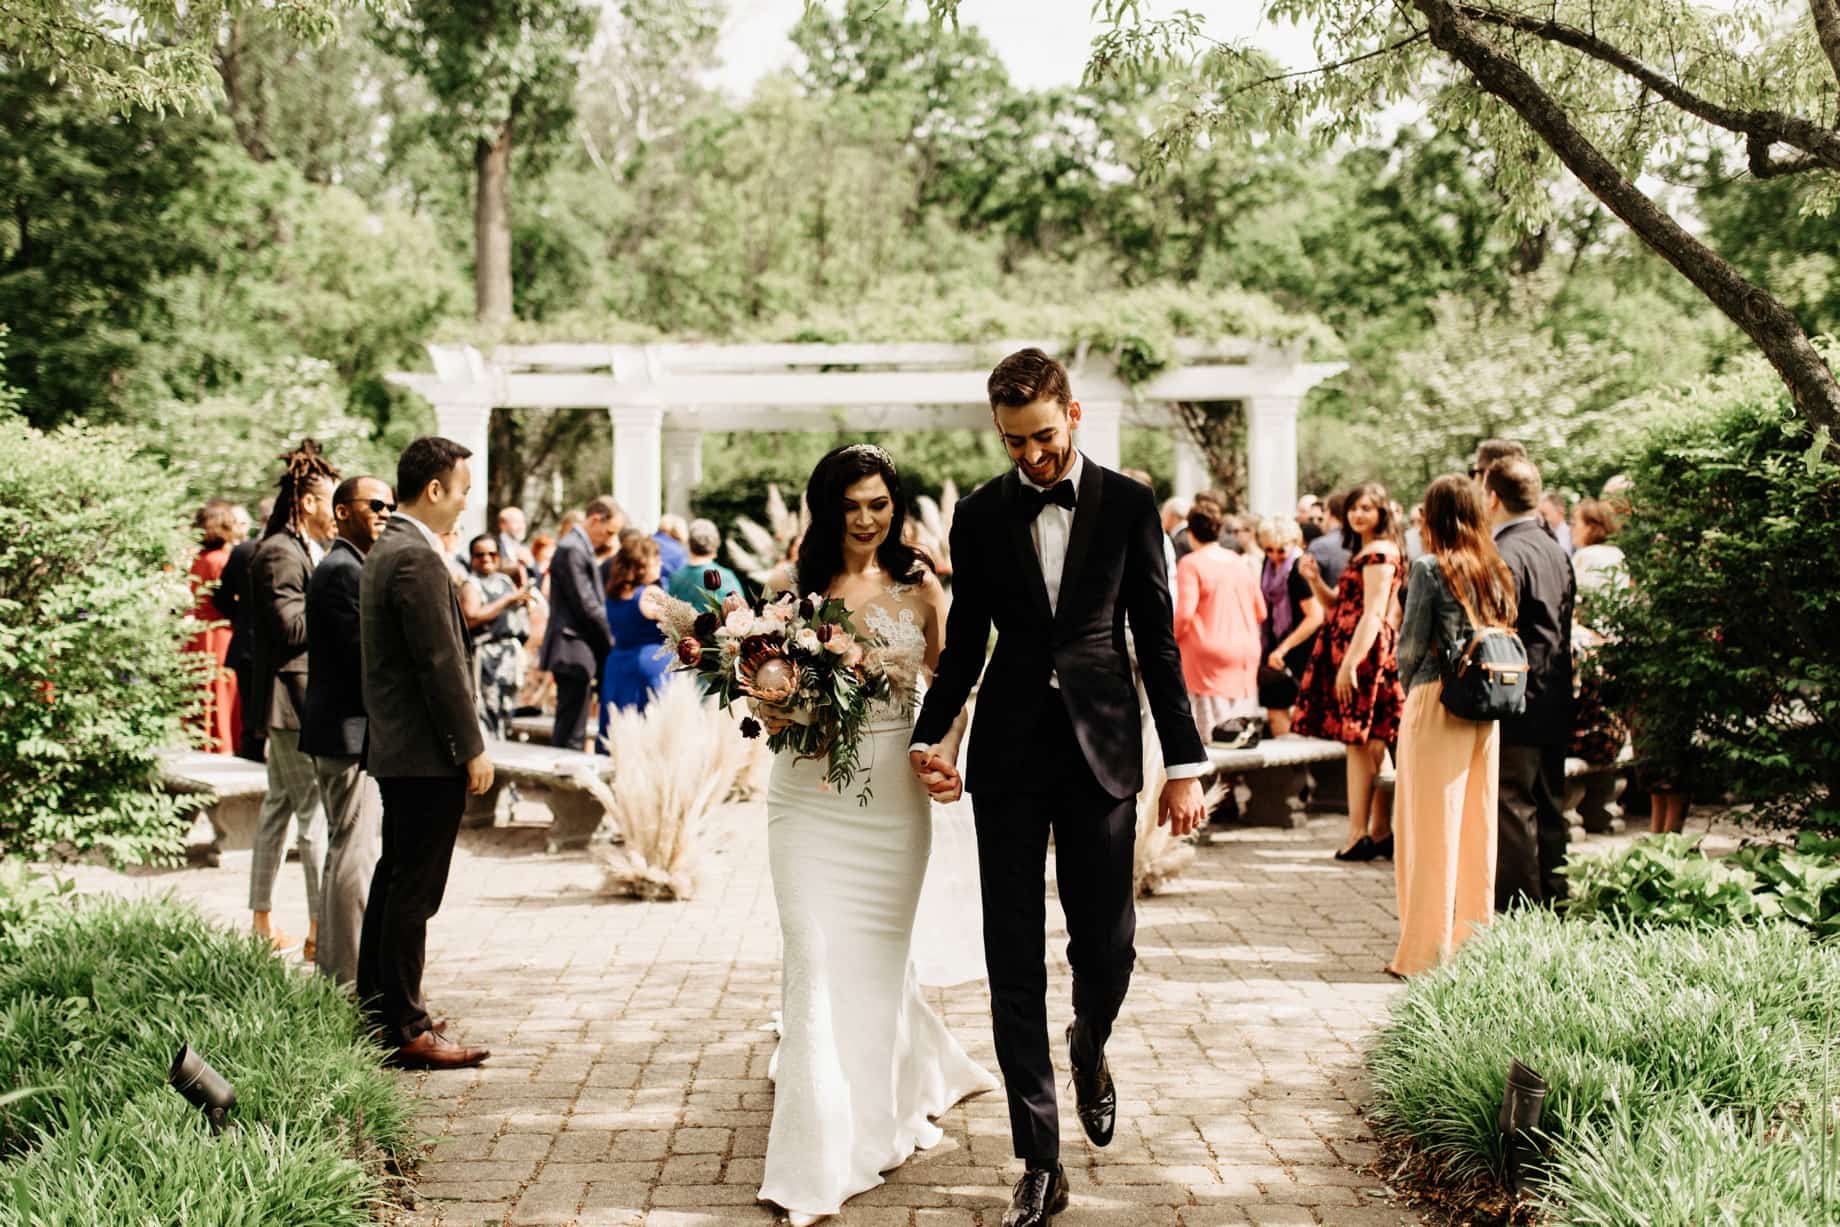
(863,1063)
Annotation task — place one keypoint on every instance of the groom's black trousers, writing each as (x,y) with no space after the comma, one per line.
(1047,786)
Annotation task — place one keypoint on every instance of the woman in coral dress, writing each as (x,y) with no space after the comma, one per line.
(218,531)
(1351,689)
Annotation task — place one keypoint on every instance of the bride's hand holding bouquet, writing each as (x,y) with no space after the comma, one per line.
(808,675)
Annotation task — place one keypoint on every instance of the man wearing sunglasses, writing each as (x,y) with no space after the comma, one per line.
(332,729)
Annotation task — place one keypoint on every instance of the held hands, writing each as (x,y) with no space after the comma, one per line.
(1180,806)
(934,768)
(771,715)
(479,774)
(1275,662)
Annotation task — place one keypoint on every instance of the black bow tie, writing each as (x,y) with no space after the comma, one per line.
(1030,501)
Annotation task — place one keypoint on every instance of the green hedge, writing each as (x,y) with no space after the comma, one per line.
(1649,1039)
(94,611)
(94,1004)
(1723,653)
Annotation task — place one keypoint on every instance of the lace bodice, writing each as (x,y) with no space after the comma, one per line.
(897,620)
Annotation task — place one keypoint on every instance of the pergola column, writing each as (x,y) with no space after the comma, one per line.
(1100,434)
(466,424)
(637,463)
(1192,474)
(1271,453)
(683,468)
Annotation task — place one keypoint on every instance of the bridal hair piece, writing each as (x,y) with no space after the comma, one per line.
(873,451)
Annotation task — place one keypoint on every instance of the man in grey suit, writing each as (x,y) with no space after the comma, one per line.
(332,727)
(292,544)
(423,745)
(578,639)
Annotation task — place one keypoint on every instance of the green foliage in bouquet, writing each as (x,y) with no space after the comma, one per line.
(796,658)
(1667,880)
(94,610)
(1721,652)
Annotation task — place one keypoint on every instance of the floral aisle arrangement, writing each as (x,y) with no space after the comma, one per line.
(795,659)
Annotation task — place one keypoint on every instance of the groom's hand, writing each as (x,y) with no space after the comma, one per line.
(936,773)
(1180,807)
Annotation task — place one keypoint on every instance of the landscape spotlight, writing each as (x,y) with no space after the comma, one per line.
(192,1076)
(1521,1104)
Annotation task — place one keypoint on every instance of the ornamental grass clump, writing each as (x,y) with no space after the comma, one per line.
(1631,1028)
(92,1011)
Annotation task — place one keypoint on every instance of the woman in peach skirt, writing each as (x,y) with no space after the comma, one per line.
(1448,768)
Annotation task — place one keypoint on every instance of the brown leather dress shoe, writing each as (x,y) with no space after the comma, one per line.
(438,1026)
(430,1050)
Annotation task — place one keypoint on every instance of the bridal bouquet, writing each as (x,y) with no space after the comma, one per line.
(801,658)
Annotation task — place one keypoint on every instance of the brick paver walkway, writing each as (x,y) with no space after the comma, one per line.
(628,1082)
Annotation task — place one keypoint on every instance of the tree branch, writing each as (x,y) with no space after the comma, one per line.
(1765,167)
(1826,14)
(1811,138)
(1765,320)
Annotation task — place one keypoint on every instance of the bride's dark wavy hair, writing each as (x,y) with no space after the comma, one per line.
(821,551)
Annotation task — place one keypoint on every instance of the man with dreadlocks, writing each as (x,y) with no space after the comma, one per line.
(293,542)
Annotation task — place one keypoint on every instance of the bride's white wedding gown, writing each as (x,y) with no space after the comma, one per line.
(864,1064)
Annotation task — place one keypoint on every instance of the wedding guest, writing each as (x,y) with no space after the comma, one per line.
(496,611)
(1448,768)
(1309,517)
(293,542)
(450,554)
(333,726)
(1596,563)
(1144,479)
(1553,514)
(514,559)
(1174,516)
(232,600)
(671,539)
(1181,540)
(637,665)
(1489,452)
(1293,615)
(1531,811)
(1351,689)
(1218,612)
(1415,534)
(690,581)
(542,549)
(1331,549)
(217,536)
(425,748)
(577,641)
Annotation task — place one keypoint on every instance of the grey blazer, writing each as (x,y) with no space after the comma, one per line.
(418,661)
(278,577)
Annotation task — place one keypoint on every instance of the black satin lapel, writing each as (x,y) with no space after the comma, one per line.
(1079,541)
(1022,545)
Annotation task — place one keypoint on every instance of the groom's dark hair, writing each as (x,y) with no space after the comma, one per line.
(1026,376)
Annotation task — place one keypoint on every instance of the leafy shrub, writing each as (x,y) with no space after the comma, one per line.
(94,1009)
(28,902)
(1722,653)
(1667,880)
(1730,1025)
(94,609)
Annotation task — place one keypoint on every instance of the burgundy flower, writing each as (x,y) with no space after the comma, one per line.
(712,579)
(705,625)
(689,650)
(807,610)
(826,631)
(750,728)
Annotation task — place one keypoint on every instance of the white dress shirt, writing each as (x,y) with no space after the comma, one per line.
(428,534)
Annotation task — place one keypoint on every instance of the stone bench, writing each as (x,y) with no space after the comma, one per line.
(1277,774)
(575,813)
(236,787)
(1593,792)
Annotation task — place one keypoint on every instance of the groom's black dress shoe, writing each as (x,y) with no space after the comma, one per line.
(1040,1195)
(1096,1096)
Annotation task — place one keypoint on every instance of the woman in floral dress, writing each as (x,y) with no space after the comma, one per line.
(1351,689)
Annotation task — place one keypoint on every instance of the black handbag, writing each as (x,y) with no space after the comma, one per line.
(1485,675)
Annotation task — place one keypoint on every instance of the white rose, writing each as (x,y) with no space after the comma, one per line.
(807,641)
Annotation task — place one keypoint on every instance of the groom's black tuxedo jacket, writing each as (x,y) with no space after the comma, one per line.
(1114,571)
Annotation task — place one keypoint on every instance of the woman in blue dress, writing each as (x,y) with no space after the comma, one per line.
(636,667)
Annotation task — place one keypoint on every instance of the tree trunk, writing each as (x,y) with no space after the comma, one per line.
(1765,320)
(492,229)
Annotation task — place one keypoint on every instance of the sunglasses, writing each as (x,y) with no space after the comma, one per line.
(485,553)
(375,504)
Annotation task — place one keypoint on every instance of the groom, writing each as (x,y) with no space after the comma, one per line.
(1060,554)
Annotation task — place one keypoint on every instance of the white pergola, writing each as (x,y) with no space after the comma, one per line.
(662,398)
